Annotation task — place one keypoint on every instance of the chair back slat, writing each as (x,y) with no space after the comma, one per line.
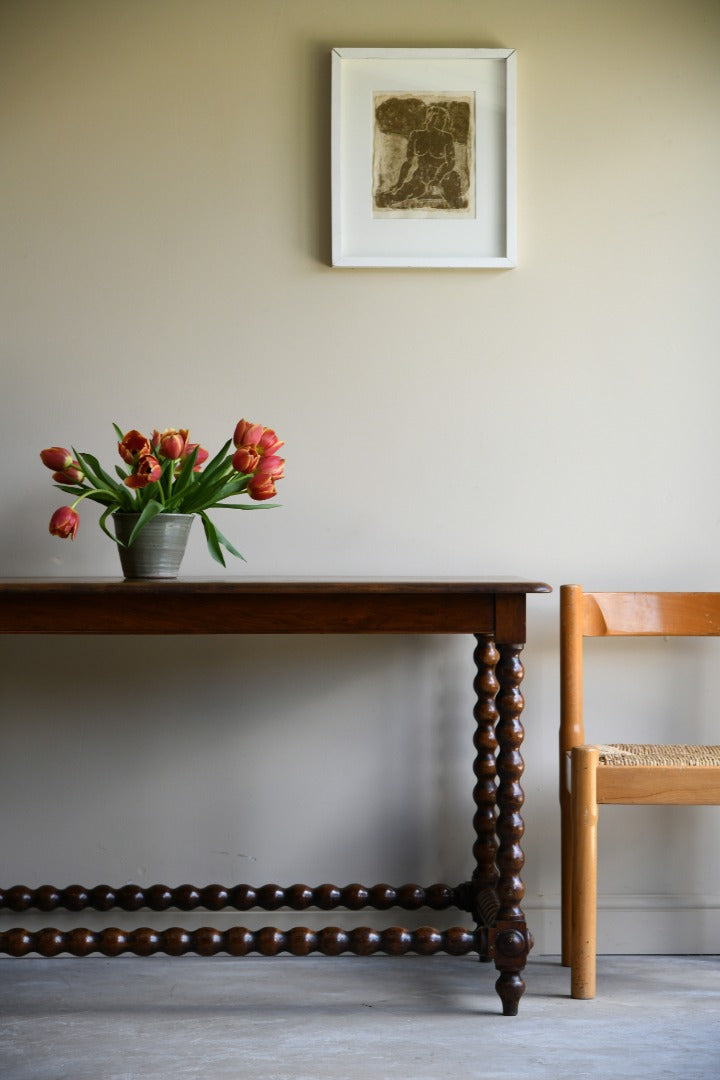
(667,614)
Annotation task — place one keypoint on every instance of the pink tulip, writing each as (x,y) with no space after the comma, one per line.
(56,458)
(171,443)
(269,442)
(147,471)
(247,434)
(64,522)
(272,466)
(133,446)
(261,487)
(202,455)
(245,460)
(72,475)
(257,448)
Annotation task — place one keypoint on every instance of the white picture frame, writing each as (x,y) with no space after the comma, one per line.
(451,115)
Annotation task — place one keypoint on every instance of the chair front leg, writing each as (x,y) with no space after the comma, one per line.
(584,809)
(566,858)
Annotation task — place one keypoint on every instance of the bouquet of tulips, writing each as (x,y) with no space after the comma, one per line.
(168,474)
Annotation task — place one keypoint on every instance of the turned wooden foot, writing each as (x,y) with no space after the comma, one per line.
(510,987)
(511,952)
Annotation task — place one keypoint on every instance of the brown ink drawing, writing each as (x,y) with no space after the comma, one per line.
(422,155)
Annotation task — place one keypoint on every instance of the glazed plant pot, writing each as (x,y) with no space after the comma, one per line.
(157,550)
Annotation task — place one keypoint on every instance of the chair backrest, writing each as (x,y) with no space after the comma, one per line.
(621,614)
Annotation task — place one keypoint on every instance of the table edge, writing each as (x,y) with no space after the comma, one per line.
(14,587)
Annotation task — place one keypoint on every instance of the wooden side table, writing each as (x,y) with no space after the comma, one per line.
(491,610)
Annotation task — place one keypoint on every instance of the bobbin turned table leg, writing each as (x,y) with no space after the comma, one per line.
(512,941)
(483,886)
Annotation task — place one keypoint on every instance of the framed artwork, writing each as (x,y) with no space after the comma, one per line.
(423,157)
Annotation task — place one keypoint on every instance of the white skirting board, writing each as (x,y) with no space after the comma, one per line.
(637,924)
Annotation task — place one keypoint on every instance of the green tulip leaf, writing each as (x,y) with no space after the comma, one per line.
(247,506)
(103,518)
(204,495)
(213,541)
(184,480)
(151,510)
(217,462)
(225,542)
(91,466)
(86,466)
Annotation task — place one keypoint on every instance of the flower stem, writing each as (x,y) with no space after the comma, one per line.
(90,491)
(170,478)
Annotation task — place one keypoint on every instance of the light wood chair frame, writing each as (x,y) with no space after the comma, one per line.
(585,781)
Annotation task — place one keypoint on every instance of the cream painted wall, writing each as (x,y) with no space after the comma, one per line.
(165,234)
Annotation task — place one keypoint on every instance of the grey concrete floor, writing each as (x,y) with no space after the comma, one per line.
(306,1019)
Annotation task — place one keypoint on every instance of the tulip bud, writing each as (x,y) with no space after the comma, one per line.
(171,443)
(71,475)
(56,458)
(64,522)
(245,460)
(247,434)
(202,455)
(272,466)
(261,487)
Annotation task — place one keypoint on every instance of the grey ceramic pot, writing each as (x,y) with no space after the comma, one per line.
(158,548)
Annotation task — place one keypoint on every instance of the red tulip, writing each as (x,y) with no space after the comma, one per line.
(56,458)
(64,522)
(272,466)
(247,434)
(72,475)
(202,455)
(257,448)
(171,443)
(261,486)
(245,459)
(269,442)
(133,446)
(147,471)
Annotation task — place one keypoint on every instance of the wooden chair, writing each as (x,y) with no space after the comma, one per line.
(619,773)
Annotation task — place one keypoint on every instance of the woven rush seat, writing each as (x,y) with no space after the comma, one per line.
(638,754)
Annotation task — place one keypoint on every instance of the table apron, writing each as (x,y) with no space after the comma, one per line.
(502,616)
